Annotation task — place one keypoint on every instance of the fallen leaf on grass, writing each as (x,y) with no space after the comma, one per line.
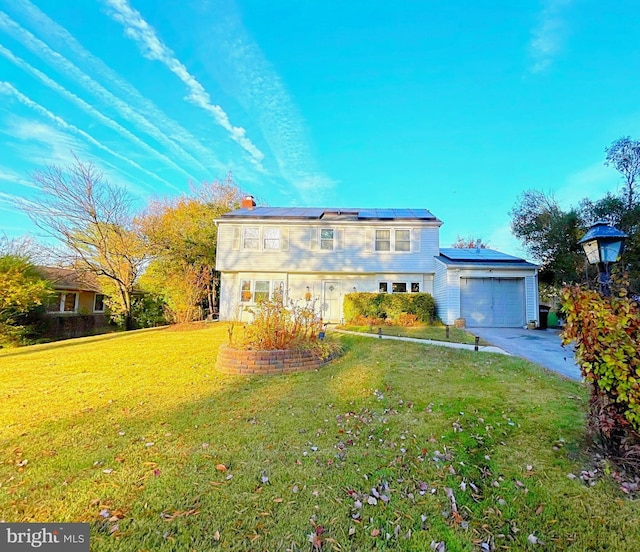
(221,467)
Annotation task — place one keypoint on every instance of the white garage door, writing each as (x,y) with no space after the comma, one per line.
(492,302)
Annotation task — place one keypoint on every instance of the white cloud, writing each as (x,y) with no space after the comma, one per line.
(9,90)
(132,113)
(243,71)
(153,48)
(8,175)
(79,102)
(548,35)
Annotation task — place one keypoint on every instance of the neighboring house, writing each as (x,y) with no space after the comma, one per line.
(77,306)
(332,252)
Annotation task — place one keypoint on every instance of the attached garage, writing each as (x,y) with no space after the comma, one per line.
(492,302)
(486,288)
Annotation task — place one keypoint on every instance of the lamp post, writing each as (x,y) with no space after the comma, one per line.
(603,244)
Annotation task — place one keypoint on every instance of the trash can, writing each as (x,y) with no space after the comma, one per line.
(543,311)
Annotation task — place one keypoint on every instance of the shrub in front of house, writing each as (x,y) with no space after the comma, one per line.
(394,308)
(282,325)
(606,334)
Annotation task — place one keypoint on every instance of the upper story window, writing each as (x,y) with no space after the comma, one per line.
(271,238)
(260,238)
(387,239)
(383,240)
(403,240)
(326,239)
(250,237)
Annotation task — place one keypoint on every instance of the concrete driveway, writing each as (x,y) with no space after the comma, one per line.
(540,346)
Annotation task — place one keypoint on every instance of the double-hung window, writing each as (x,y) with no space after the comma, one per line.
(383,240)
(271,238)
(261,291)
(251,237)
(326,239)
(403,240)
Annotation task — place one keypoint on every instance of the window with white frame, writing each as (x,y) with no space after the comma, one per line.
(326,239)
(271,238)
(403,240)
(260,238)
(383,240)
(251,237)
(63,302)
(399,287)
(255,291)
(98,303)
(387,239)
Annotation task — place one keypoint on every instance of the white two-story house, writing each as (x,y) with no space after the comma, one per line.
(326,253)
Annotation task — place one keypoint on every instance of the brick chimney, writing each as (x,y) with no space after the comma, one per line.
(248,202)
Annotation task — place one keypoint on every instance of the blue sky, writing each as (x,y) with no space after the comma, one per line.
(457,107)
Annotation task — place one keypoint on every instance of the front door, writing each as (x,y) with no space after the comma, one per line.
(331,301)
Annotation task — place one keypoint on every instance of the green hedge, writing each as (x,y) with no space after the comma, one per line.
(389,305)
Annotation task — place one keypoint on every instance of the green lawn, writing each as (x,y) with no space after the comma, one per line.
(137,434)
(435,333)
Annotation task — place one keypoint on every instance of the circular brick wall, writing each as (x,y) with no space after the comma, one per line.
(235,361)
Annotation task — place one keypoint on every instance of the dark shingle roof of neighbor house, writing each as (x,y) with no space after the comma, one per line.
(326,213)
(68,279)
(482,256)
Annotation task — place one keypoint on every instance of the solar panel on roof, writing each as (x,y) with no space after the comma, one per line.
(489,255)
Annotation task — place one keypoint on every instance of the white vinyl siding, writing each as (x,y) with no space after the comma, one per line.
(301,250)
(531,298)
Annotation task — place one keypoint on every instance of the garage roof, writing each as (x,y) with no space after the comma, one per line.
(483,256)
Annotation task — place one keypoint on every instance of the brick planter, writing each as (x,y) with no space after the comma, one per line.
(234,361)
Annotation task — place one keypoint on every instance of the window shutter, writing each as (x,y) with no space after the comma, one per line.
(313,239)
(284,239)
(235,243)
(338,238)
(368,239)
(415,240)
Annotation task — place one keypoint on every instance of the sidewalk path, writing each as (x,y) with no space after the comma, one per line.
(464,346)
